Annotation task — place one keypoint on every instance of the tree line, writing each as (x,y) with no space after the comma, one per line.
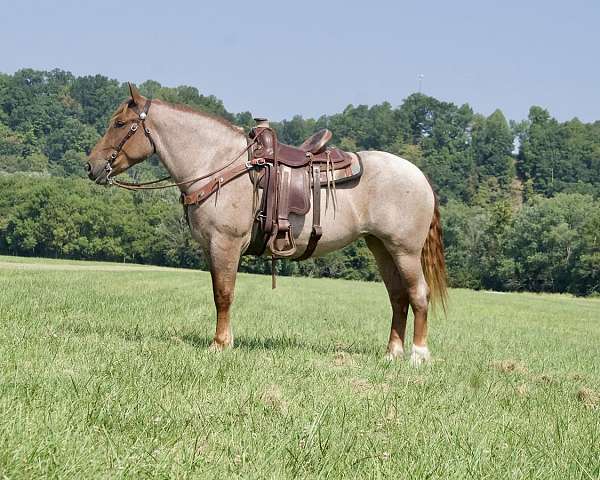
(519,199)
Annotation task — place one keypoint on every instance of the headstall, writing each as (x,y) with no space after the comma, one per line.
(131,132)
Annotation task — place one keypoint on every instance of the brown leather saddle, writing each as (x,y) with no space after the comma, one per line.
(286,181)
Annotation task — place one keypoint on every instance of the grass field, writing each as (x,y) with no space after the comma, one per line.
(105,373)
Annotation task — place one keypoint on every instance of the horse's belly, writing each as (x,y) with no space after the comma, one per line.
(341,224)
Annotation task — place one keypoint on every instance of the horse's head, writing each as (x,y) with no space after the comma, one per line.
(126,142)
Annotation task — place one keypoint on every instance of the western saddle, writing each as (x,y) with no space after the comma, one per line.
(286,183)
(286,175)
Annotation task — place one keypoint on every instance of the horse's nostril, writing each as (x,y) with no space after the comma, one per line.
(88,167)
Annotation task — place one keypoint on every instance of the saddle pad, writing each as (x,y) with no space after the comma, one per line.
(351,172)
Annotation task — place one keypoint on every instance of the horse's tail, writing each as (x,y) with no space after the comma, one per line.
(433,261)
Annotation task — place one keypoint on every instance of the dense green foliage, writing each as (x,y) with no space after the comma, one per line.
(106,374)
(520,200)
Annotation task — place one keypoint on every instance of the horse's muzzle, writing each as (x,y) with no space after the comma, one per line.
(98,174)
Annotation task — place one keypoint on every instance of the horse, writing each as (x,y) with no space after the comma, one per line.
(392,206)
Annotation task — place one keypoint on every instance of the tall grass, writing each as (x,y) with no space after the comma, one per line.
(105,373)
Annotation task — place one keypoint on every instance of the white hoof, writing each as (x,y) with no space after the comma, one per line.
(420,355)
(394,352)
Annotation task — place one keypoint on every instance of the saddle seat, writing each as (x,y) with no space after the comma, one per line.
(286,180)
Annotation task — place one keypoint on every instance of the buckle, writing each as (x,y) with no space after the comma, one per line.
(256,162)
(108,169)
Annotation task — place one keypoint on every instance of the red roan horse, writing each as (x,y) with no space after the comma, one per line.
(392,206)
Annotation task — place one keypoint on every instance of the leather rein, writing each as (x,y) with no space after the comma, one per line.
(226,175)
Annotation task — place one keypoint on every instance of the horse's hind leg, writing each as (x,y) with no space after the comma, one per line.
(398,297)
(411,272)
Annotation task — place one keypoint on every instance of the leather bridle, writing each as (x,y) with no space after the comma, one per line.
(228,171)
(108,168)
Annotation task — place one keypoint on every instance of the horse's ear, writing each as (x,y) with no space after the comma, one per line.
(136,96)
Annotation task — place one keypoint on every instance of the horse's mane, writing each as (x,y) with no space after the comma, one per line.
(186,108)
(122,109)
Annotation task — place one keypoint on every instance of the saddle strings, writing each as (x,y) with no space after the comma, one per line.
(330,184)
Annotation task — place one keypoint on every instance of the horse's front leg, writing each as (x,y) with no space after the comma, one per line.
(224,254)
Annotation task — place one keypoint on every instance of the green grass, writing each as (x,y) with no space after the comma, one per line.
(106,374)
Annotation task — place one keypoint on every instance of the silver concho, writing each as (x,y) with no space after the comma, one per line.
(143,115)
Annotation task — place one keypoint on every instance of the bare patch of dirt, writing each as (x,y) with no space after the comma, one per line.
(544,378)
(522,390)
(416,380)
(588,397)
(509,366)
(273,397)
(342,359)
(360,385)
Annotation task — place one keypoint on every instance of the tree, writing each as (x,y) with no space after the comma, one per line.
(554,242)
(492,141)
(499,232)
(73,135)
(98,97)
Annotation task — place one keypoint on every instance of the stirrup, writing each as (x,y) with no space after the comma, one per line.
(289,245)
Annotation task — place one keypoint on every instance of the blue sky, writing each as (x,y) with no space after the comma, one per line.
(278,59)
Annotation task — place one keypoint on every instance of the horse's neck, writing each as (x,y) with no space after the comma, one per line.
(191,144)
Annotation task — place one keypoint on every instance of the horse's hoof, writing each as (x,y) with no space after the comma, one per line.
(420,355)
(219,347)
(394,352)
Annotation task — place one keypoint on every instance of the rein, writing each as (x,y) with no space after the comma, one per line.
(152,185)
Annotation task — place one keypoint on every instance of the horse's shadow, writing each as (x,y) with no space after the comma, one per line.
(242,342)
(252,343)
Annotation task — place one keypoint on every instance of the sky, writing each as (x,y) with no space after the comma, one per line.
(278,59)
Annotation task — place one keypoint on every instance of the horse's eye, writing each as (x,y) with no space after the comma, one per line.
(119,124)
